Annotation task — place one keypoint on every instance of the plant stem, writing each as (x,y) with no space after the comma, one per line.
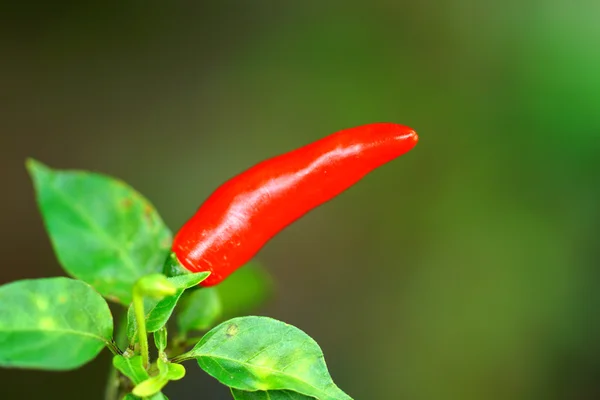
(112,389)
(112,385)
(140,319)
(181,358)
(114,348)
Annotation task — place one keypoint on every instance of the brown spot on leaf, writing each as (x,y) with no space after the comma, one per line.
(148,215)
(232,330)
(127,203)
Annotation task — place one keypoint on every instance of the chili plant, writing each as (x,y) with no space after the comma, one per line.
(115,246)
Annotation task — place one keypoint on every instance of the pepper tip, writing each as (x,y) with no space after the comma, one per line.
(414,136)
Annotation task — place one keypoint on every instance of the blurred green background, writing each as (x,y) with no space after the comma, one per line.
(467,269)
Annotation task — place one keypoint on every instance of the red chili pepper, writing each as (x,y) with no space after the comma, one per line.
(242,215)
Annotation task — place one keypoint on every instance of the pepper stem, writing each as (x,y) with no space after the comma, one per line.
(173,267)
(140,320)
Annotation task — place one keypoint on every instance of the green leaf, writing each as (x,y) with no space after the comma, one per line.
(157,396)
(199,310)
(160,339)
(131,368)
(175,372)
(150,386)
(52,323)
(156,286)
(167,372)
(260,353)
(270,395)
(103,231)
(188,280)
(158,312)
(244,290)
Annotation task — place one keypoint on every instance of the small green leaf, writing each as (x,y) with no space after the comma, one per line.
(52,323)
(103,231)
(156,286)
(260,353)
(188,280)
(131,368)
(171,371)
(244,290)
(199,310)
(158,312)
(160,339)
(167,372)
(150,386)
(157,396)
(175,372)
(270,395)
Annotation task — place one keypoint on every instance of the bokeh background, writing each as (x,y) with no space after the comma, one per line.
(467,269)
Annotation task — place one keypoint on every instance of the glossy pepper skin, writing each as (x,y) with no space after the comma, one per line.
(243,214)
